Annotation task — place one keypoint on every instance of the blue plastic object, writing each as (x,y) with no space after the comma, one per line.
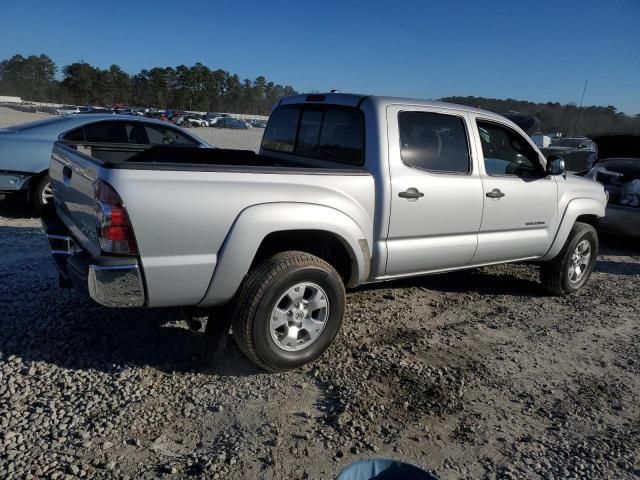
(384,469)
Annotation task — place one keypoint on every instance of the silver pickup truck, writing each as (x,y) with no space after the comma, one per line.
(345,190)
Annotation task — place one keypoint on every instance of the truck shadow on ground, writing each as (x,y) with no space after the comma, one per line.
(17,207)
(485,280)
(41,323)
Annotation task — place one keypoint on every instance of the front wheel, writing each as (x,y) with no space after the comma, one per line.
(572,267)
(289,310)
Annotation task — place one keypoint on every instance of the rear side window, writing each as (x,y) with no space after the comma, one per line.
(327,133)
(110,132)
(161,135)
(106,132)
(434,142)
(76,135)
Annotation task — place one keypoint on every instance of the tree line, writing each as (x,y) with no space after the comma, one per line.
(197,88)
(200,88)
(554,117)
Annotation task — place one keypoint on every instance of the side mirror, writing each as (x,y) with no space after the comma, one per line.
(555,165)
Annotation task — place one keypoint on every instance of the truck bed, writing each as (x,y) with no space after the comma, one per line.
(165,157)
(183,203)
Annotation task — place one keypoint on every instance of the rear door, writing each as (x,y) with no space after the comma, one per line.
(436,191)
(520,200)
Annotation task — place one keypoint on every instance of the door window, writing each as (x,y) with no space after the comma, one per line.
(434,142)
(506,152)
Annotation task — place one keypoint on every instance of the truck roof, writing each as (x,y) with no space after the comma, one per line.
(380,101)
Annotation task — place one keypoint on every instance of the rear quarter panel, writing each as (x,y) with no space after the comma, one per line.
(181,218)
(20,153)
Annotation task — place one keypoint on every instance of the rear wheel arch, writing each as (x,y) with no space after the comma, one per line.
(323,244)
(258,229)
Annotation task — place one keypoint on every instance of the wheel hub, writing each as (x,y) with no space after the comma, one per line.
(299,316)
(579,262)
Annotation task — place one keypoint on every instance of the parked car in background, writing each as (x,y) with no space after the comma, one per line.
(567,144)
(25,150)
(258,123)
(196,121)
(275,237)
(103,110)
(234,123)
(67,110)
(213,117)
(617,167)
(578,153)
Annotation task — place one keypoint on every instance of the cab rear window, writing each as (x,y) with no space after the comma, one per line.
(327,133)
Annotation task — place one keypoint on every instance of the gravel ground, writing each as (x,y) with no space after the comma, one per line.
(475,374)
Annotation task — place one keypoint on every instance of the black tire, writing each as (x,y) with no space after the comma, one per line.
(36,193)
(554,274)
(257,298)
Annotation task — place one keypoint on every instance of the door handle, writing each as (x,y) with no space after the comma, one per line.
(495,193)
(67,172)
(411,194)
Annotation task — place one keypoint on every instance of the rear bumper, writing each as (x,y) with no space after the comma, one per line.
(110,281)
(621,220)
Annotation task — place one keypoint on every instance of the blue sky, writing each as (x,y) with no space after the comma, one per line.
(538,50)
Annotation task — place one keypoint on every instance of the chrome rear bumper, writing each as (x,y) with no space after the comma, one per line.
(116,285)
(110,281)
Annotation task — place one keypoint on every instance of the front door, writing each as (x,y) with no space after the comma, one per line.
(520,199)
(436,191)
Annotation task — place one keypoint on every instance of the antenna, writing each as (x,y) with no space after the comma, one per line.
(575,126)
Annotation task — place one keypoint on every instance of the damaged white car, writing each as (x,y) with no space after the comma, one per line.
(617,167)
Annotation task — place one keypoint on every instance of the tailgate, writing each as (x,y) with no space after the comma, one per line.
(73,175)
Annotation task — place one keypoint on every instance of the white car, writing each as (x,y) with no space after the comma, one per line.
(196,121)
(67,110)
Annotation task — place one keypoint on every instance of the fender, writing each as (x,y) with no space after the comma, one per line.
(256,222)
(575,208)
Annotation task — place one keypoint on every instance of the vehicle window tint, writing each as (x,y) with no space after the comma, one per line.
(280,134)
(433,141)
(506,152)
(309,133)
(106,132)
(334,134)
(76,135)
(342,136)
(161,135)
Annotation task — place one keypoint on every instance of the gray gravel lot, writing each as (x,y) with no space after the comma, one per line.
(474,374)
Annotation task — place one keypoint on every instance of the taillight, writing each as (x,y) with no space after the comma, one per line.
(112,221)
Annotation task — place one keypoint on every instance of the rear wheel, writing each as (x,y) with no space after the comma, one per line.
(289,310)
(572,267)
(42,193)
